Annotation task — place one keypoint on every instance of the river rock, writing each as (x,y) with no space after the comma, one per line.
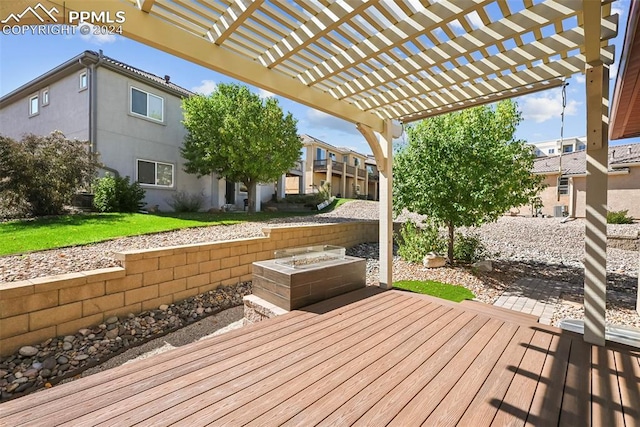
(432,260)
(28,351)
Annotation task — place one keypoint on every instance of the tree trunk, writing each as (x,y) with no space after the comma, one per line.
(450,252)
(251,195)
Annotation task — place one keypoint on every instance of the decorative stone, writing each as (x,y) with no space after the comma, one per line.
(164,307)
(69,338)
(67,346)
(432,260)
(28,351)
(484,265)
(111,320)
(111,334)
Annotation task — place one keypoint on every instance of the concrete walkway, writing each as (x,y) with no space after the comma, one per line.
(532,296)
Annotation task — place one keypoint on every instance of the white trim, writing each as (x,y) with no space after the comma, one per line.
(148,94)
(86,81)
(156,163)
(32,113)
(44,92)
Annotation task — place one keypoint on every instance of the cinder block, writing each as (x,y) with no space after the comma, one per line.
(12,344)
(55,316)
(238,250)
(209,266)
(207,288)
(172,260)
(102,304)
(16,289)
(29,303)
(248,258)
(240,270)
(220,253)
(157,276)
(102,274)
(123,311)
(232,261)
(179,296)
(172,287)
(79,293)
(70,328)
(185,271)
(60,281)
(141,266)
(197,257)
(197,281)
(124,284)
(141,294)
(152,304)
(15,325)
(218,276)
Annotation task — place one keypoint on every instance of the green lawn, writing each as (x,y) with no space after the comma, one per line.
(446,291)
(71,230)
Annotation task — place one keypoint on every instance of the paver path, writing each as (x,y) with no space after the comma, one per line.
(532,296)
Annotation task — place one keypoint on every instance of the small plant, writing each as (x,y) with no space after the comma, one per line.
(468,249)
(116,194)
(416,242)
(619,217)
(183,201)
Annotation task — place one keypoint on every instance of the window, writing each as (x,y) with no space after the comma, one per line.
(83,80)
(345,159)
(552,150)
(33,105)
(567,149)
(45,97)
(146,104)
(581,147)
(563,185)
(356,162)
(319,154)
(155,173)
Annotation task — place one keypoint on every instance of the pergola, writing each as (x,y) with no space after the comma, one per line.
(379,62)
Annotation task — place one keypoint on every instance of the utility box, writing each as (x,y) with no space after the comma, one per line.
(560,211)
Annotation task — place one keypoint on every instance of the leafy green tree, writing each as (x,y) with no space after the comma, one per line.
(240,137)
(465,168)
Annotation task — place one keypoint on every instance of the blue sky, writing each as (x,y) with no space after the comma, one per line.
(25,57)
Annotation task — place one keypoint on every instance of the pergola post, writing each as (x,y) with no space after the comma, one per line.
(595,275)
(383,151)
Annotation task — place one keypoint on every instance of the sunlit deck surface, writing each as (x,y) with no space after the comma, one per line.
(365,358)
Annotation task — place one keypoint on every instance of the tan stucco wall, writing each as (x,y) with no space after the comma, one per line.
(32,311)
(623,194)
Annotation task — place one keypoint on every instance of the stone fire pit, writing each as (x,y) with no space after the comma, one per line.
(302,276)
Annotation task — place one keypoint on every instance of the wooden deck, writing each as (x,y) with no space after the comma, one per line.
(368,358)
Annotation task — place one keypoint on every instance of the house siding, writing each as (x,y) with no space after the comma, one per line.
(68,112)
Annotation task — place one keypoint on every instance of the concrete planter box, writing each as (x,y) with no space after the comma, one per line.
(290,288)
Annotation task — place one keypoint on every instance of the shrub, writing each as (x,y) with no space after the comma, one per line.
(468,249)
(116,194)
(40,174)
(183,201)
(619,217)
(415,242)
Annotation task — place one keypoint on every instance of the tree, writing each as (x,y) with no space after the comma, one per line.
(40,174)
(239,136)
(465,168)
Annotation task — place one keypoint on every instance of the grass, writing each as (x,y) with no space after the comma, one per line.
(71,230)
(446,291)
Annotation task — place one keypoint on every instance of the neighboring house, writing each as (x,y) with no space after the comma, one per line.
(132,118)
(553,147)
(566,192)
(343,168)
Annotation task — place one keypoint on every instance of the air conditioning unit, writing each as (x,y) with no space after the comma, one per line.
(560,211)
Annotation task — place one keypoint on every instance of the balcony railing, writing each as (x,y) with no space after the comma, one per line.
(361,173)
(351,170)
(320,165)
(373,176)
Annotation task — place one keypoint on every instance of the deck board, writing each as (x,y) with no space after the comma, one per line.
(365,358)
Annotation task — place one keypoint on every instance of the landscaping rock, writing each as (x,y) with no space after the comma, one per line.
(28,351)
(484,266)
(432,260)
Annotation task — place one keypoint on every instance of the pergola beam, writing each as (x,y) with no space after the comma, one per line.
(230,20)
(145,5)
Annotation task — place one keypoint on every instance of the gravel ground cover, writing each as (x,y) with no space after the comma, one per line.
(522,247)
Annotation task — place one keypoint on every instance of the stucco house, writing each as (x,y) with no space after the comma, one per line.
(348,171)
(132,118)
(565,193)
(557,146)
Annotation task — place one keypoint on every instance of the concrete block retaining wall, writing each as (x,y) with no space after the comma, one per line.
(34,310)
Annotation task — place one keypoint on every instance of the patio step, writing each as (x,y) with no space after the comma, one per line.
(499,312)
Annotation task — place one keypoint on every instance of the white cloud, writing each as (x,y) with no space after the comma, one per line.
(580,78)
(91,34)
(543,107)
(618,8)
(265,93)
(613,71)
(206,87)
(318,119)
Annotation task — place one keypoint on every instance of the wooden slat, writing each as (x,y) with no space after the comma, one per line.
(629,381)
(515,405)
(251,384)
(547,400)
(576,402)
(480,347)
(605,395)
(386,409)
(185,381)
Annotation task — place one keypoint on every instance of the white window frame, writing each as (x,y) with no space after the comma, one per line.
(83,85)
(131,89)
(552,150)
(563,189)
(45,96)
(156,163)
(31,105)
